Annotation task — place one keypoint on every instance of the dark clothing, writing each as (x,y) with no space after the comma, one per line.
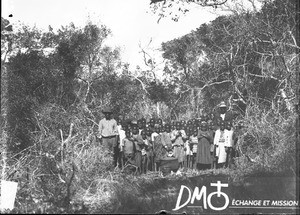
(116,156)
(144,163)
(159,150)
(203,166)
(230,156)
(138,160)
(203,147)
(128,159)
(109,142)
(139,142)
(128,146)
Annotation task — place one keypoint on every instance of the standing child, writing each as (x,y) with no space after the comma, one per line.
(169,142)
(139,145)
(149,149)
(166,138)
(128,149)
(122,135)
(177,137)
(141,123)
(187,149)
(193,144)
(144,151)
(158,148)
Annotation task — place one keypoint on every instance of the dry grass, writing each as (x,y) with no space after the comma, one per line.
(73,173)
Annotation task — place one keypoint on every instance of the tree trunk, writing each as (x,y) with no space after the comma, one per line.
(157,109)
(193,103)
(3,117)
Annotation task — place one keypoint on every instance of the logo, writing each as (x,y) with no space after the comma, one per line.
(202,194)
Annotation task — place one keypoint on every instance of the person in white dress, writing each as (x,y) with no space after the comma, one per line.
(220,142)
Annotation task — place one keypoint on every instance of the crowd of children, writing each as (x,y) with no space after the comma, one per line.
(199,143)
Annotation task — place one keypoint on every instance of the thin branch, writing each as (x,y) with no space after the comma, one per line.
(214,83)
(174,105)
(142,83)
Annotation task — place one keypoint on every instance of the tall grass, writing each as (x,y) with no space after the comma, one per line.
(67,170)
(268,143)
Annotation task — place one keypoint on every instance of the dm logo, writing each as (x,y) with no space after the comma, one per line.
(197,195)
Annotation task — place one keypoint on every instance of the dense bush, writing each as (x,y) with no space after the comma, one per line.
(55,103)
(267,143)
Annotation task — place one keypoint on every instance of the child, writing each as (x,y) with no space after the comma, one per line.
(187,149)
(149,149)
(139,144)
(166,138)
(193,140)
(169,142)
(177,136)
(121,131)
(144,151)
(155,133)
(158,148)
(128,149)
(141,123)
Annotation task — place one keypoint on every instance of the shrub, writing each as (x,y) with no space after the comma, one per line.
(268,143)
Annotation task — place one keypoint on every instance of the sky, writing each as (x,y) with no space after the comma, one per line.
(131,21)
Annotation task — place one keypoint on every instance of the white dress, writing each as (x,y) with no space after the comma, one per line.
(220,142)
(121,136)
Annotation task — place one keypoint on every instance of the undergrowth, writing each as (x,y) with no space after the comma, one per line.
(68,171)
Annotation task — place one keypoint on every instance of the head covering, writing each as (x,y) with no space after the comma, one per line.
(107,110)
(222,104)
(134,122)
(203,123)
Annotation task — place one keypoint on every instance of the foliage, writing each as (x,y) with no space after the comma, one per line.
(269,140)
(56,97)
(176,8)
(234,56)
(58,163)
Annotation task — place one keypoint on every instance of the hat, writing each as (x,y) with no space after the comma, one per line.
(222,104)
(107,110)
(134,121)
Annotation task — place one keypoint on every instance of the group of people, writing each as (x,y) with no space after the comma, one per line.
(199,143)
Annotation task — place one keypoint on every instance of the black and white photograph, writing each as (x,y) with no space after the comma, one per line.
(150,107)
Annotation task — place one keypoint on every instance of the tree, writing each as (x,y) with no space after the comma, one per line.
(235,56)
(176,8)
(5,49)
